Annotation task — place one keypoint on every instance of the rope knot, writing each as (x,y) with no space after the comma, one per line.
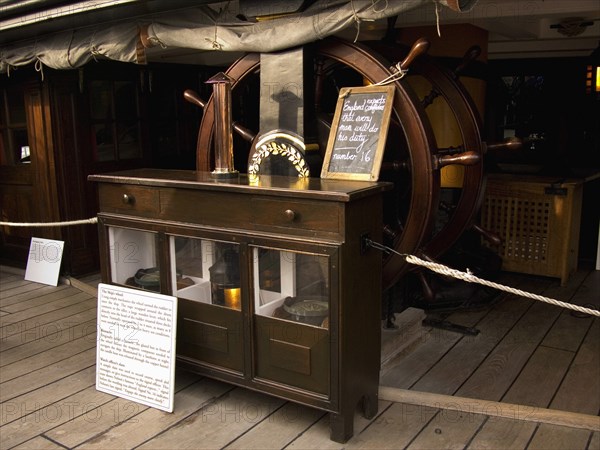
(357,20)
(395,76)
(39,67)
(469,276)
(215,45)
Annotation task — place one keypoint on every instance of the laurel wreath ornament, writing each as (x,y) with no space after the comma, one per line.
(274,148)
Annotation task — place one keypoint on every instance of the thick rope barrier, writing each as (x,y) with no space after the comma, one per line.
(470,278)
(51,224)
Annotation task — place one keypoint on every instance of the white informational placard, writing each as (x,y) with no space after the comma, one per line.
(135,357)
(43,263)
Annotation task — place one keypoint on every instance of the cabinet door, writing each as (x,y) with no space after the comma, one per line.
(205,276)
(292,310)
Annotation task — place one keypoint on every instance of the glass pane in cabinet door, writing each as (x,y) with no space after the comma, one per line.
(133,258)
(206,271)
(292,286)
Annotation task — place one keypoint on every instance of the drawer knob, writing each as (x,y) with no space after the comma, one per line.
(289,214)
(128,199)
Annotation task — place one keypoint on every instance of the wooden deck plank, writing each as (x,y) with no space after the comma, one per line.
(406,371)
(395,427)
(20,301)
(71,298)
(51,416)
(6,277)
(52,356)
(535,386)
(18,288)
(39,443)
(35,298)
(49,338)
(568,332)
(14,287)
(149,422)
(497,372)
(30,403)
(447,430)
(588,292)
(57,322)
(457,365)
(538,381)
(570,328)
(121,423)
(594,442)
(317,436)
(458,428)
(10,270)
(9,281)
(47,408)
(500,433)
(217,423)
(279,429)
(580,389)
(33,380)
(554,437)
(28,319)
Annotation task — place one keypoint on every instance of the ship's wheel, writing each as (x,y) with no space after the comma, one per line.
(412,159)
(409,209)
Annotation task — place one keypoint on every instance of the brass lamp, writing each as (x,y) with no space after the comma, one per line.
(225,280)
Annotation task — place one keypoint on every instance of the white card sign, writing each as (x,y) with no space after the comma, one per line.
(43,263)
(135,357)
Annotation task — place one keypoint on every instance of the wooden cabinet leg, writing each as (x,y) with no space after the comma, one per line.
(341,426)
(370,405)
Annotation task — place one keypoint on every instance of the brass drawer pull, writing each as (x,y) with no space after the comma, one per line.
(289,215)
(128,199)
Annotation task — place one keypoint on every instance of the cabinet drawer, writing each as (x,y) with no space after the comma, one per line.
(124,198)
(293,354)
(222,209)
(210,334)
(306,215)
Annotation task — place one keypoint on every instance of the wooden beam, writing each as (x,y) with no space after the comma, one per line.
(491,408)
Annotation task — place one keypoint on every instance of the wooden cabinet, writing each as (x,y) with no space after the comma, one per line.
(276,289)
(538,220)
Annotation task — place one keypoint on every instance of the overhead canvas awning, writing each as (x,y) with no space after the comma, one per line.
(72,49)
(212,27)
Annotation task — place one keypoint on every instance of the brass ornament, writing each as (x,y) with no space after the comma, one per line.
(279,144)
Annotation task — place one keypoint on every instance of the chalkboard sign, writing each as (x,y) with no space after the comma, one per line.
(358,133)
